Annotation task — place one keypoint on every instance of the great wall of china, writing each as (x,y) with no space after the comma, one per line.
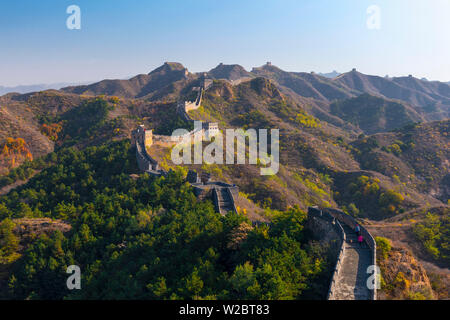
(222,194)
(352,270)
(207,130)
(350,275)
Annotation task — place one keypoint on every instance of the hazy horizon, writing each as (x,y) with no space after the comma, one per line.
(123,39)
(86,82)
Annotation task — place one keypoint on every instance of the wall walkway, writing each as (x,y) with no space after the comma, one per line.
(350,276)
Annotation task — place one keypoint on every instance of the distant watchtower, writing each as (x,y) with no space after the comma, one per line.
(205,82)
(211,129)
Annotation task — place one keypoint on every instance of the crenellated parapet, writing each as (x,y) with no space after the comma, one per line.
(183,107)
(141,139)
(142,136)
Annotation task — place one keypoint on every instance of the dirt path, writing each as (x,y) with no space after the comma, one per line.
(6,189)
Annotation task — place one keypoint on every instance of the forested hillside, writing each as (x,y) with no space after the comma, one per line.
(71,191)
(145,238)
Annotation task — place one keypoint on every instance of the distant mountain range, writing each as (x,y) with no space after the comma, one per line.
(319,86)
(332,74)
(352,101)
(425,94)
(36,87)
(403,99)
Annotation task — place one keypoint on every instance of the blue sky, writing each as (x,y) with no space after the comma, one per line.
(122,38)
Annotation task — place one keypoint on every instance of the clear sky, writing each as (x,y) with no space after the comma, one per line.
(122,38)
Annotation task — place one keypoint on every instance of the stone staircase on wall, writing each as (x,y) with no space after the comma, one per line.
(147,163)
(223,194)
(224,202)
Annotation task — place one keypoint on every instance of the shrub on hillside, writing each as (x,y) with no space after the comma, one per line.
(383,247)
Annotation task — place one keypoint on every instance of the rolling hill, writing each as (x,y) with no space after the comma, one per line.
(374,114)
(160,82)
(231,72)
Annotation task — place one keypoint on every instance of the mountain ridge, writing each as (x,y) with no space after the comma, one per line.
(316,85)
(328,154)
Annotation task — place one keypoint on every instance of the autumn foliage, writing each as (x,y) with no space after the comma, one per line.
(14,150)
(51,130)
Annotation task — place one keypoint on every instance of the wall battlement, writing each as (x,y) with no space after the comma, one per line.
(222,194)
(208,130)
(350,277)
(145,162)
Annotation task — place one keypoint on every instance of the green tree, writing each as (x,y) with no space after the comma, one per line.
(383,247)
(9,243)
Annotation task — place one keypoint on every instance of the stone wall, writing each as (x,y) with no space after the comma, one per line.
(322,226)
(209,191)
(193,105)
(143,138)
(368,239)
(351,222)
(201,190)
(196,135)
(145,162)
(233,193)
(328,229)
(202,193)
(209,129)
(337,218)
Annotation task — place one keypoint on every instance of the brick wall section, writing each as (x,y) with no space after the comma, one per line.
(338,218)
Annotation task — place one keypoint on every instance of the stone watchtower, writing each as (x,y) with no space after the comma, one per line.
(212,130)
(142,136)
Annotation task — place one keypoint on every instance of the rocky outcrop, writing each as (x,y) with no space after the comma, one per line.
(403,277)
